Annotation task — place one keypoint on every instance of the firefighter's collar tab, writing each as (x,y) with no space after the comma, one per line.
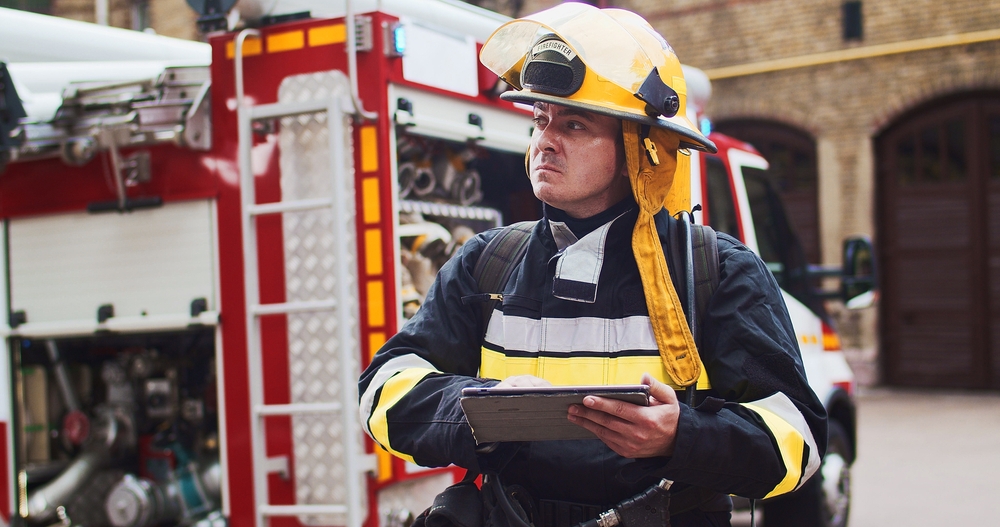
(578,266)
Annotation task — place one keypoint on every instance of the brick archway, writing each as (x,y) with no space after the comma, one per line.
(938,196)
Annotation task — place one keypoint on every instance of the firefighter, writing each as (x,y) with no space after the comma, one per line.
(594,301)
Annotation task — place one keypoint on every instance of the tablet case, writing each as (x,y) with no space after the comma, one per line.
(535,417)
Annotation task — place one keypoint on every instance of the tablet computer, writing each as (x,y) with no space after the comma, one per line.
(536,413)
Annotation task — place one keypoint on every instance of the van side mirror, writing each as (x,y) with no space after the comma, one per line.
(859,280)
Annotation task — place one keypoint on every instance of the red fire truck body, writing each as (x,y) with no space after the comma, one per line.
(323,201)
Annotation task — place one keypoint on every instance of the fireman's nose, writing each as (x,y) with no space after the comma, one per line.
(546,139)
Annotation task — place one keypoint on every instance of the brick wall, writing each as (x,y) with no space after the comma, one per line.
(843,105)
(173,18)
(714,33)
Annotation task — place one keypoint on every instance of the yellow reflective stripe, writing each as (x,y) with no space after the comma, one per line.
(287,41)
(369,200)
(384,463)
(373,251)
(325,35)
(251,46)
(376,304)
(375,341)
(790,446)
(392,391)
(369,149)
(579,370)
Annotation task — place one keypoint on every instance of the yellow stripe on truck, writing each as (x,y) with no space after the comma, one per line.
(790,446)
(326,35)
(288,41)
(392,391)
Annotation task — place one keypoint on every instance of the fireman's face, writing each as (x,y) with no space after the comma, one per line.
(577,160)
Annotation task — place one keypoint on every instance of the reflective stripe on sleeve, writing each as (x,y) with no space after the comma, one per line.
(792,434)
(387,370)
(392,391)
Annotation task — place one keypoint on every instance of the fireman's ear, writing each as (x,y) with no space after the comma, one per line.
(527,160)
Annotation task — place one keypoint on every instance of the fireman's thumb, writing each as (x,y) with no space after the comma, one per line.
(659,393)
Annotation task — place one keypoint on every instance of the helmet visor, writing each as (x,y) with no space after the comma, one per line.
(577,24)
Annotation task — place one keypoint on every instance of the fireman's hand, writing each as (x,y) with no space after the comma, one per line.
(631,430)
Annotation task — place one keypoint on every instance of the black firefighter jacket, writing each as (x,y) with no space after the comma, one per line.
(766,439)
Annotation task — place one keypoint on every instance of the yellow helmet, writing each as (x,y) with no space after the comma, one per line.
(607,61)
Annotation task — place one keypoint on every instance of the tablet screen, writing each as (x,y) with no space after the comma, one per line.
(536,413)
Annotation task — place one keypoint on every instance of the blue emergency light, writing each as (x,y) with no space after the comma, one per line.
(399,39)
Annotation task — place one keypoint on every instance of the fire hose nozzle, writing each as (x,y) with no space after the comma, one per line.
(651,508)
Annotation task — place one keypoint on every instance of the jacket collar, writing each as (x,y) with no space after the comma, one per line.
(579,261)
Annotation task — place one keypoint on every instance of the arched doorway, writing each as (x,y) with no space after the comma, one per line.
(791,152)
(938,187)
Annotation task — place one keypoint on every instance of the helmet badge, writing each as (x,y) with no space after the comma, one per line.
(553,67)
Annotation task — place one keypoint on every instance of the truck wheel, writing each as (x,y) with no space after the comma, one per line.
(825,500)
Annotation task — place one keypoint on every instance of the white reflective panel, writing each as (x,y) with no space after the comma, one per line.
(146,263)
(441,58)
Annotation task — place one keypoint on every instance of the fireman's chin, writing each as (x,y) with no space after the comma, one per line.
(545,189)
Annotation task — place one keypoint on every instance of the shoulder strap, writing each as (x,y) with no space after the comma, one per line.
(705,256)
(498,260)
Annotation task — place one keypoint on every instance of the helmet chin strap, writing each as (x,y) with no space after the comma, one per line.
(652,164)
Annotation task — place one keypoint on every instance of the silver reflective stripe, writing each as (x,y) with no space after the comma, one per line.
(561,234)
(780,405)
(570,334)
(390,368)
(580,264)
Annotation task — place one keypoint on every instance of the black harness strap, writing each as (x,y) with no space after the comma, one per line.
(498,260)
(705,249)
(705,261)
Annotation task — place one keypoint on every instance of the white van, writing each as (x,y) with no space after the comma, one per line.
(737,198)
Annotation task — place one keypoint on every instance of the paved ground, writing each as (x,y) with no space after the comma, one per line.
(926,459)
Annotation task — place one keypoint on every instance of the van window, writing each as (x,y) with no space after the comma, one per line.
(763,208)
(778,244)
(720,203)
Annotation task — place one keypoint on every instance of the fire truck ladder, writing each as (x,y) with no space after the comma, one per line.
(356,462)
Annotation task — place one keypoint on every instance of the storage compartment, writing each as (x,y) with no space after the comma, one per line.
(450,191)
(118,430)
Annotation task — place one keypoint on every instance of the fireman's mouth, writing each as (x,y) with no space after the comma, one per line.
(548,164)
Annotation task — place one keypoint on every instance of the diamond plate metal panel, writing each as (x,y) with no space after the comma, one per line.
(310,259)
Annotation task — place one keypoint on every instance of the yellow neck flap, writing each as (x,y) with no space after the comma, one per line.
(652,163)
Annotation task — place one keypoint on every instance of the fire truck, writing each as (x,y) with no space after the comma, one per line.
(205,243)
